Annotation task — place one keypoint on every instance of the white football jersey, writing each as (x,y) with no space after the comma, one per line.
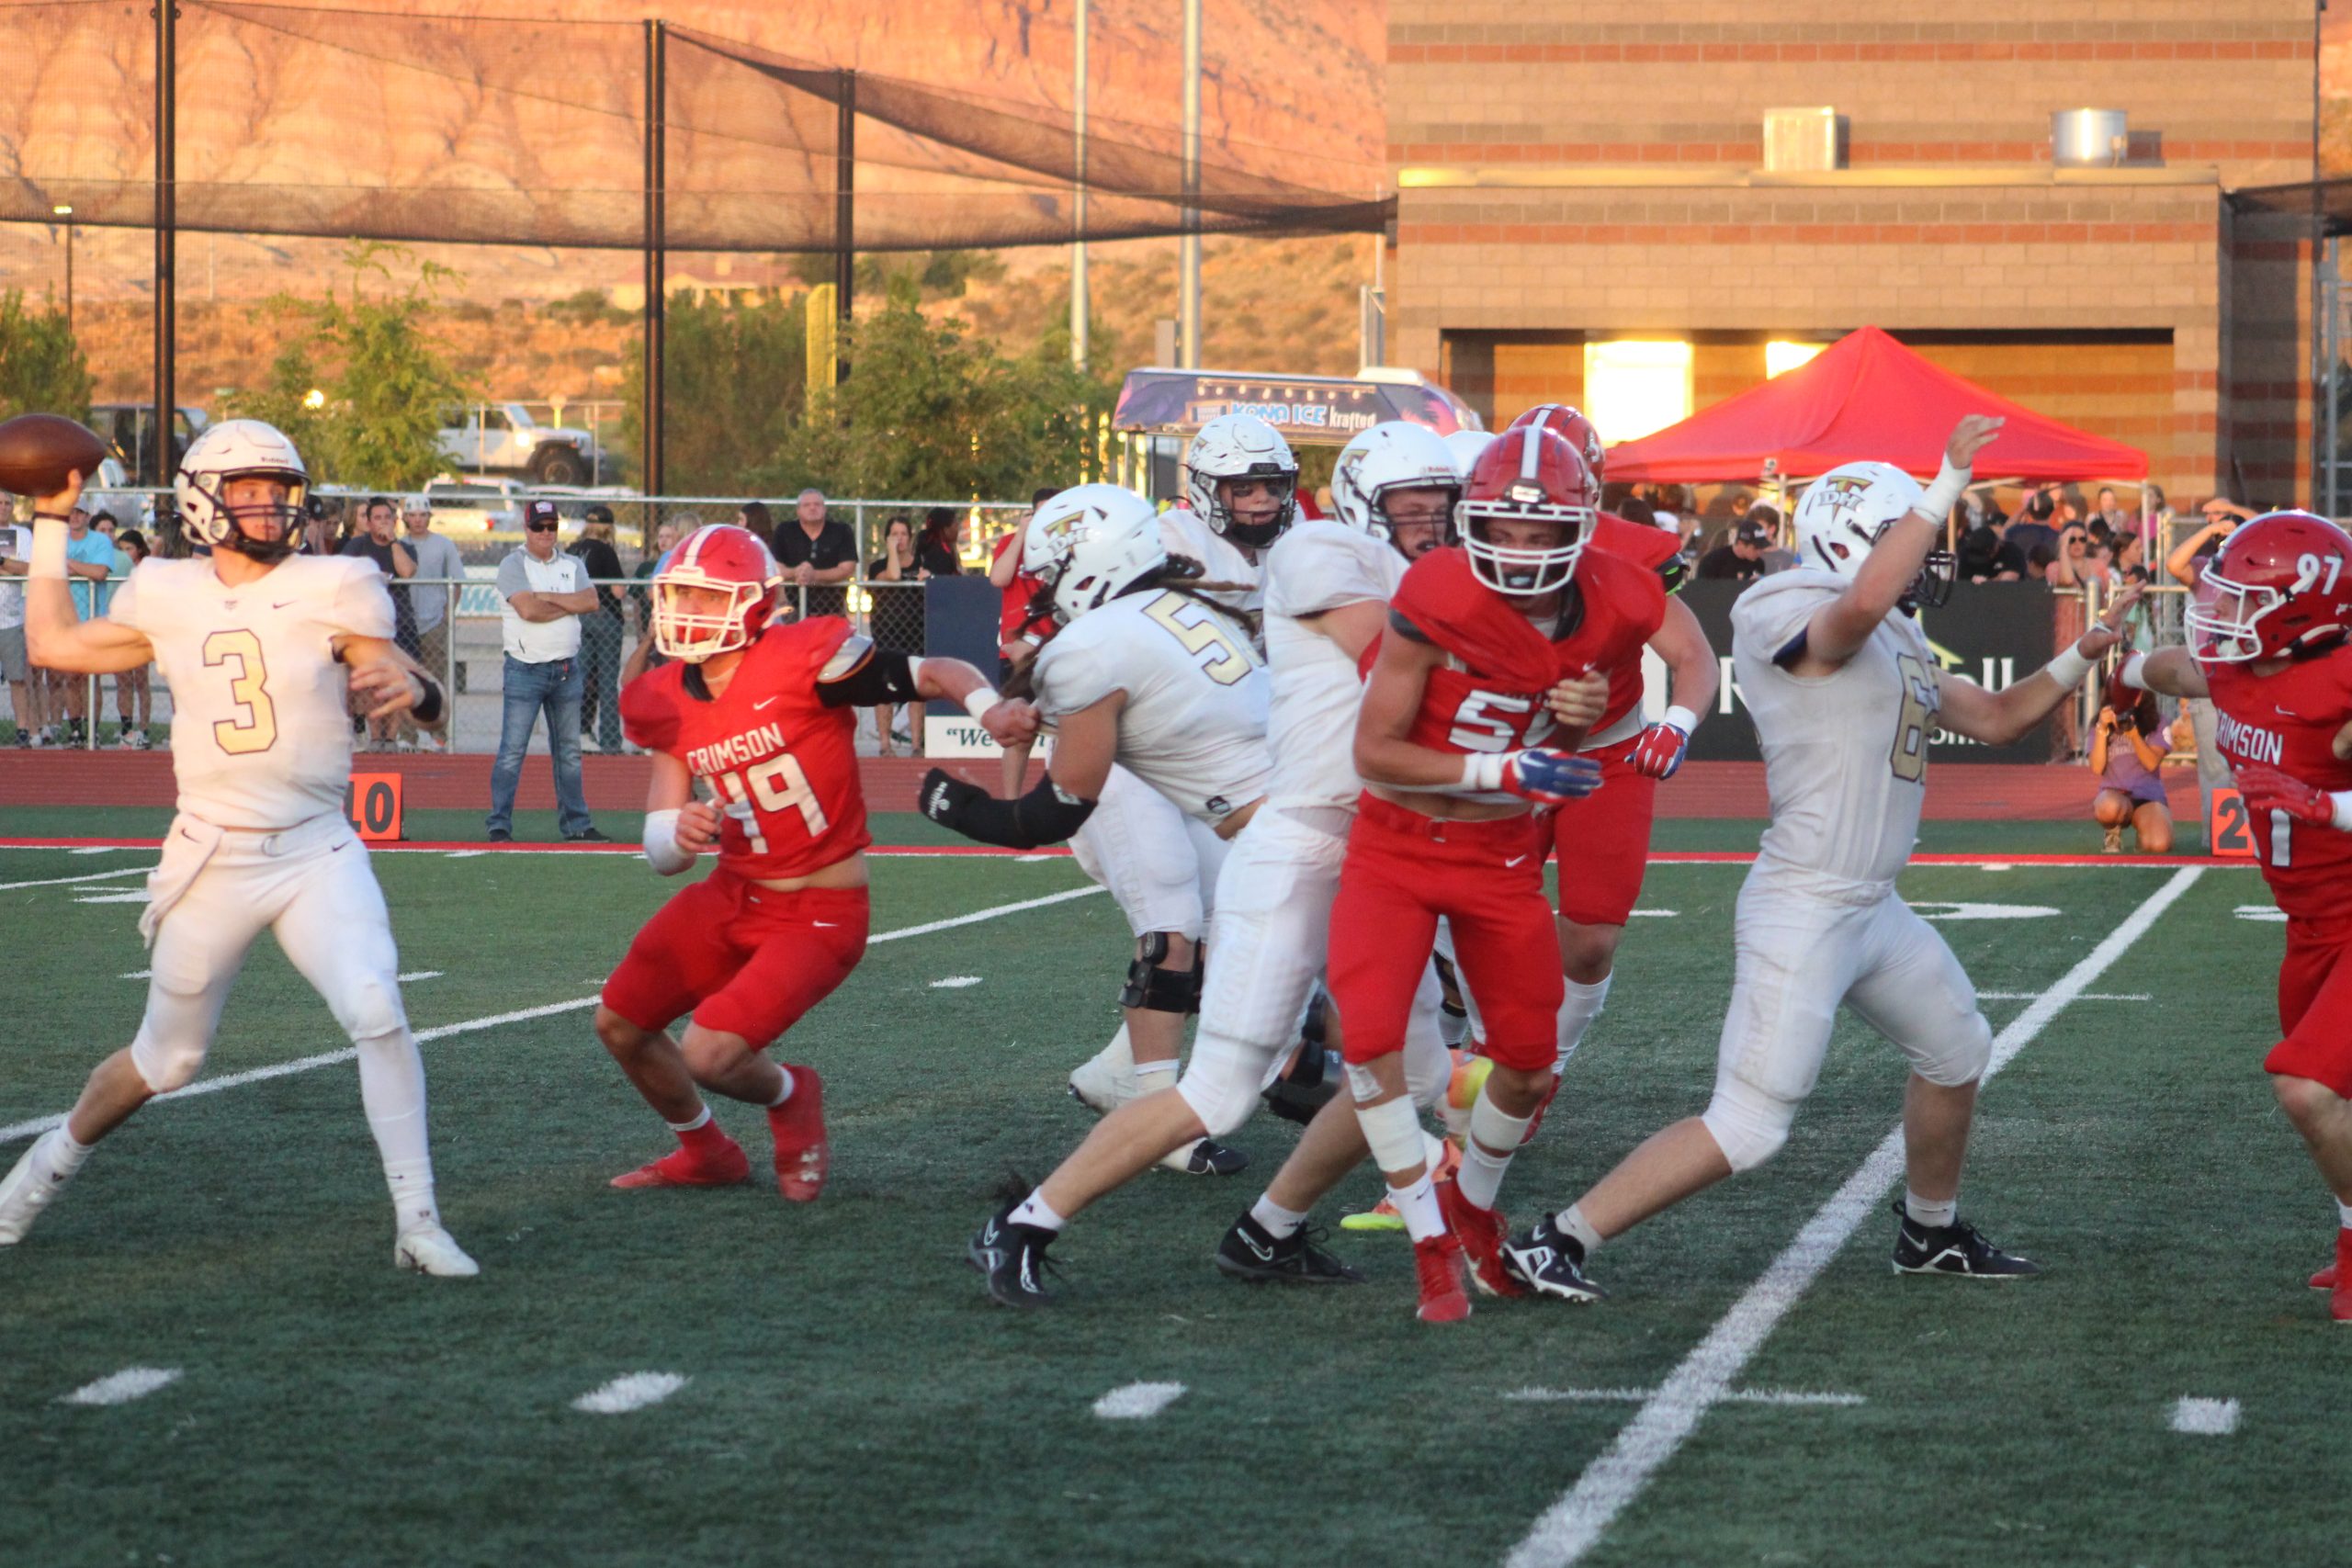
(1311,714)
(1194,724)
(261,726)
(1844,755)
(1186,532)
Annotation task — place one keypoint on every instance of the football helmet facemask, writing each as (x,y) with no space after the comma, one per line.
(2280,587)
(1529,475)
(714,594)
(241,449)
(1383,462)
(1241,447)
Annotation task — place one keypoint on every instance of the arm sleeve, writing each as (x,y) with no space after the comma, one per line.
(861,675)
(512,578)
(361,606)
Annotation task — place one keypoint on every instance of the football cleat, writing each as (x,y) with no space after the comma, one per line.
(1250,1255)
(1480,1232)
(1437,1269)
(2325,1279)
(1546,1260)
(27,1190)
(1957,1248)
(432,1250)
(722,1167)
(1011,1256)
(802,1154)
(1383,1215)
(1206,1158)
(1099,1084)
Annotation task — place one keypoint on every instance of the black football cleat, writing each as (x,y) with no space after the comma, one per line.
(1209,1157)
(1550,1262)
(1956,1248)
(1012,1257)
(1254,1257)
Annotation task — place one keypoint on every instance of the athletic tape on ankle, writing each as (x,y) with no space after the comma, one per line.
(1393,1130)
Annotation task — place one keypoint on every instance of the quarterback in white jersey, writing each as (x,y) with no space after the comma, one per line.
(263,651)
(1846,695)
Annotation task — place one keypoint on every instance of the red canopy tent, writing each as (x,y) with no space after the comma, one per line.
(1864,396)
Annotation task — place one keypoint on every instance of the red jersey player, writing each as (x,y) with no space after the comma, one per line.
(2268,644)
(1493,650)
(759,714)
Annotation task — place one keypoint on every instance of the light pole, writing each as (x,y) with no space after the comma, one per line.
(62,210)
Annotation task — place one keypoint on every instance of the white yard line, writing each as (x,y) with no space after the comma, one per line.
(1138,1401)
(2205,1417)
(93,877)
(632,1391)
(955,982)
(123,1387)
(415,975)
(1784,1396)
(2086,997)
(1575,1523)
(40,1125)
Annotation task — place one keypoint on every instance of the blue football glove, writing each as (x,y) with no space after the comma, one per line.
(1550,778)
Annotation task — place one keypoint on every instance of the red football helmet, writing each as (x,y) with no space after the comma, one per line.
(1571,426)
(1528,475)
(2279,588)
(712,595)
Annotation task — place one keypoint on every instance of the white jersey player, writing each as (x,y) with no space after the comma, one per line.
(262,650)
(1846,695)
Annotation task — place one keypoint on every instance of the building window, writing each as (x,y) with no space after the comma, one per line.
(1635,386)
(1781,357)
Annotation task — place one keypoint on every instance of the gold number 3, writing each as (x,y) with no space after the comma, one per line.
(255,728)
(1917,720)
(1202,634)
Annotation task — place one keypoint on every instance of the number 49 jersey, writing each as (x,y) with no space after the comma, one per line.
(261,731)
(780,763)
(2289,721)
(1845,754)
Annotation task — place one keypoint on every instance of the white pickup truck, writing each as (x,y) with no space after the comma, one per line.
(503,438)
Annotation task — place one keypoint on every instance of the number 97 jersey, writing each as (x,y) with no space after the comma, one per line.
(778,759)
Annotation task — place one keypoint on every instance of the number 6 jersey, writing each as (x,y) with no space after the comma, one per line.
(261,726)
(1845,754)
(780,761)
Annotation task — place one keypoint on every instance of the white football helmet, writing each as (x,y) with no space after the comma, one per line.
(241,448)
(1090,544)
(1397,455)
(1241,447)
(1848,510)
(1465,446)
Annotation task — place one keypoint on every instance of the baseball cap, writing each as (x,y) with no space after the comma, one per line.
(540,511)
(599,512)
(1754,530)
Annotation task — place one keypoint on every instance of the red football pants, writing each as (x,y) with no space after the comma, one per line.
(2316,1004)
(745,960)
(1403,872)
(1604,842)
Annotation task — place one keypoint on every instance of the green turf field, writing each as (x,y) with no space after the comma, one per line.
(851,1397)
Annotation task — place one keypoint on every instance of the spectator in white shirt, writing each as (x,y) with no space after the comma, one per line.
(24,693)
(544,592)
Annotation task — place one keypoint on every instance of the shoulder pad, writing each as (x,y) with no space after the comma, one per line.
(853,651)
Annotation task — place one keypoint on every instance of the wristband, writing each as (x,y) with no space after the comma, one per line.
(427,708)
(1483,771)
(1682,719)
(978,700)
(47,559)
(1944,494)
(2134,672)
(2068,668)
(661,851)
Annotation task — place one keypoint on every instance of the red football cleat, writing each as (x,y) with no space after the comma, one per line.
(1480,1232)
(1437,1265)
(802,1156)
(2339,1301)
(2324,1280)
(721,1165)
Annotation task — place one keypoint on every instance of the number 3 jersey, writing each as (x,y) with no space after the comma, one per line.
(781,763)
(1845,754)
(2289,721)
(1194,727)
(261,726)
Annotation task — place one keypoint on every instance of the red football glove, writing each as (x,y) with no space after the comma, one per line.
(1657,752)
(2268,789)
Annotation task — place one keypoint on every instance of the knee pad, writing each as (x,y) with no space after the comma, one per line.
(1156,989)
(1960,1057)
(1746,1123)
(371,1008)
(164,1065)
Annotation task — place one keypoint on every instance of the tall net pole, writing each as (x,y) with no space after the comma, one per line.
(656,231)
(1189,264)
(1078,301)
(166,235)
(845,204)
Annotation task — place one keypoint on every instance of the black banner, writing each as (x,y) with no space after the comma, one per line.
(1991,633)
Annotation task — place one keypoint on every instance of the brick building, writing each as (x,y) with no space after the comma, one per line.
(1571,175)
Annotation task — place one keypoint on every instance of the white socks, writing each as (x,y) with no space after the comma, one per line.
(64,1157)
(1571,1222)
(2343,1211)
(781,1096)
(1418,1205)
(1933,1215)
(1480,1179)
(1581,1006)
(1035,1210)
(702,1120)
(391,1086)
(1276,1220)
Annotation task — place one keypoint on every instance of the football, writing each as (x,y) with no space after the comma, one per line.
(38,450)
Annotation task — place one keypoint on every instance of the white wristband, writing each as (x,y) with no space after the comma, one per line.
(1944,494)
(1483,770)
(1682,719)
(2068,668)
(2135,672)
(661,851)
(47,559)
(977,700)
(2342,799)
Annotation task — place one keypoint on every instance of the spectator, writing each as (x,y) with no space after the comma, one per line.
(2154,510)
(1984,556)
(1741,556)
(1020,633)
(940,552)
(133,696)
(895,585)
(26,689)
(1777,555)
(2187,562)
(1634,508)
(2076,561)
(2037,563)
(430,601)
(601,633)
(816,555)
(645,656)
(2131,559)
(754,517)
(377,542)
(322,525)
(89,560)
(2104,510)
(544,592)
(2127,753)
(2035,522)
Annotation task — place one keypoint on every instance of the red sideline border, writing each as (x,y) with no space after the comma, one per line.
(982,852)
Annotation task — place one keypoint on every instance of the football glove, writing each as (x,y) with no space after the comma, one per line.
(2269,789)
(1549,778)
(1657,751)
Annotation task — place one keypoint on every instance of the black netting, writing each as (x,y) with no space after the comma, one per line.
(508,131)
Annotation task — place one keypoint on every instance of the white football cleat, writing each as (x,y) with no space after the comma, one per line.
(27,1190)
(433,1251)
(1106,1080)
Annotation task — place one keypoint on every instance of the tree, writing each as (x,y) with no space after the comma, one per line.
(41,368)
(733,383)
(374,422)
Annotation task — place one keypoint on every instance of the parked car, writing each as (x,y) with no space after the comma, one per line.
(503,438)
(475,507)
(127,429)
